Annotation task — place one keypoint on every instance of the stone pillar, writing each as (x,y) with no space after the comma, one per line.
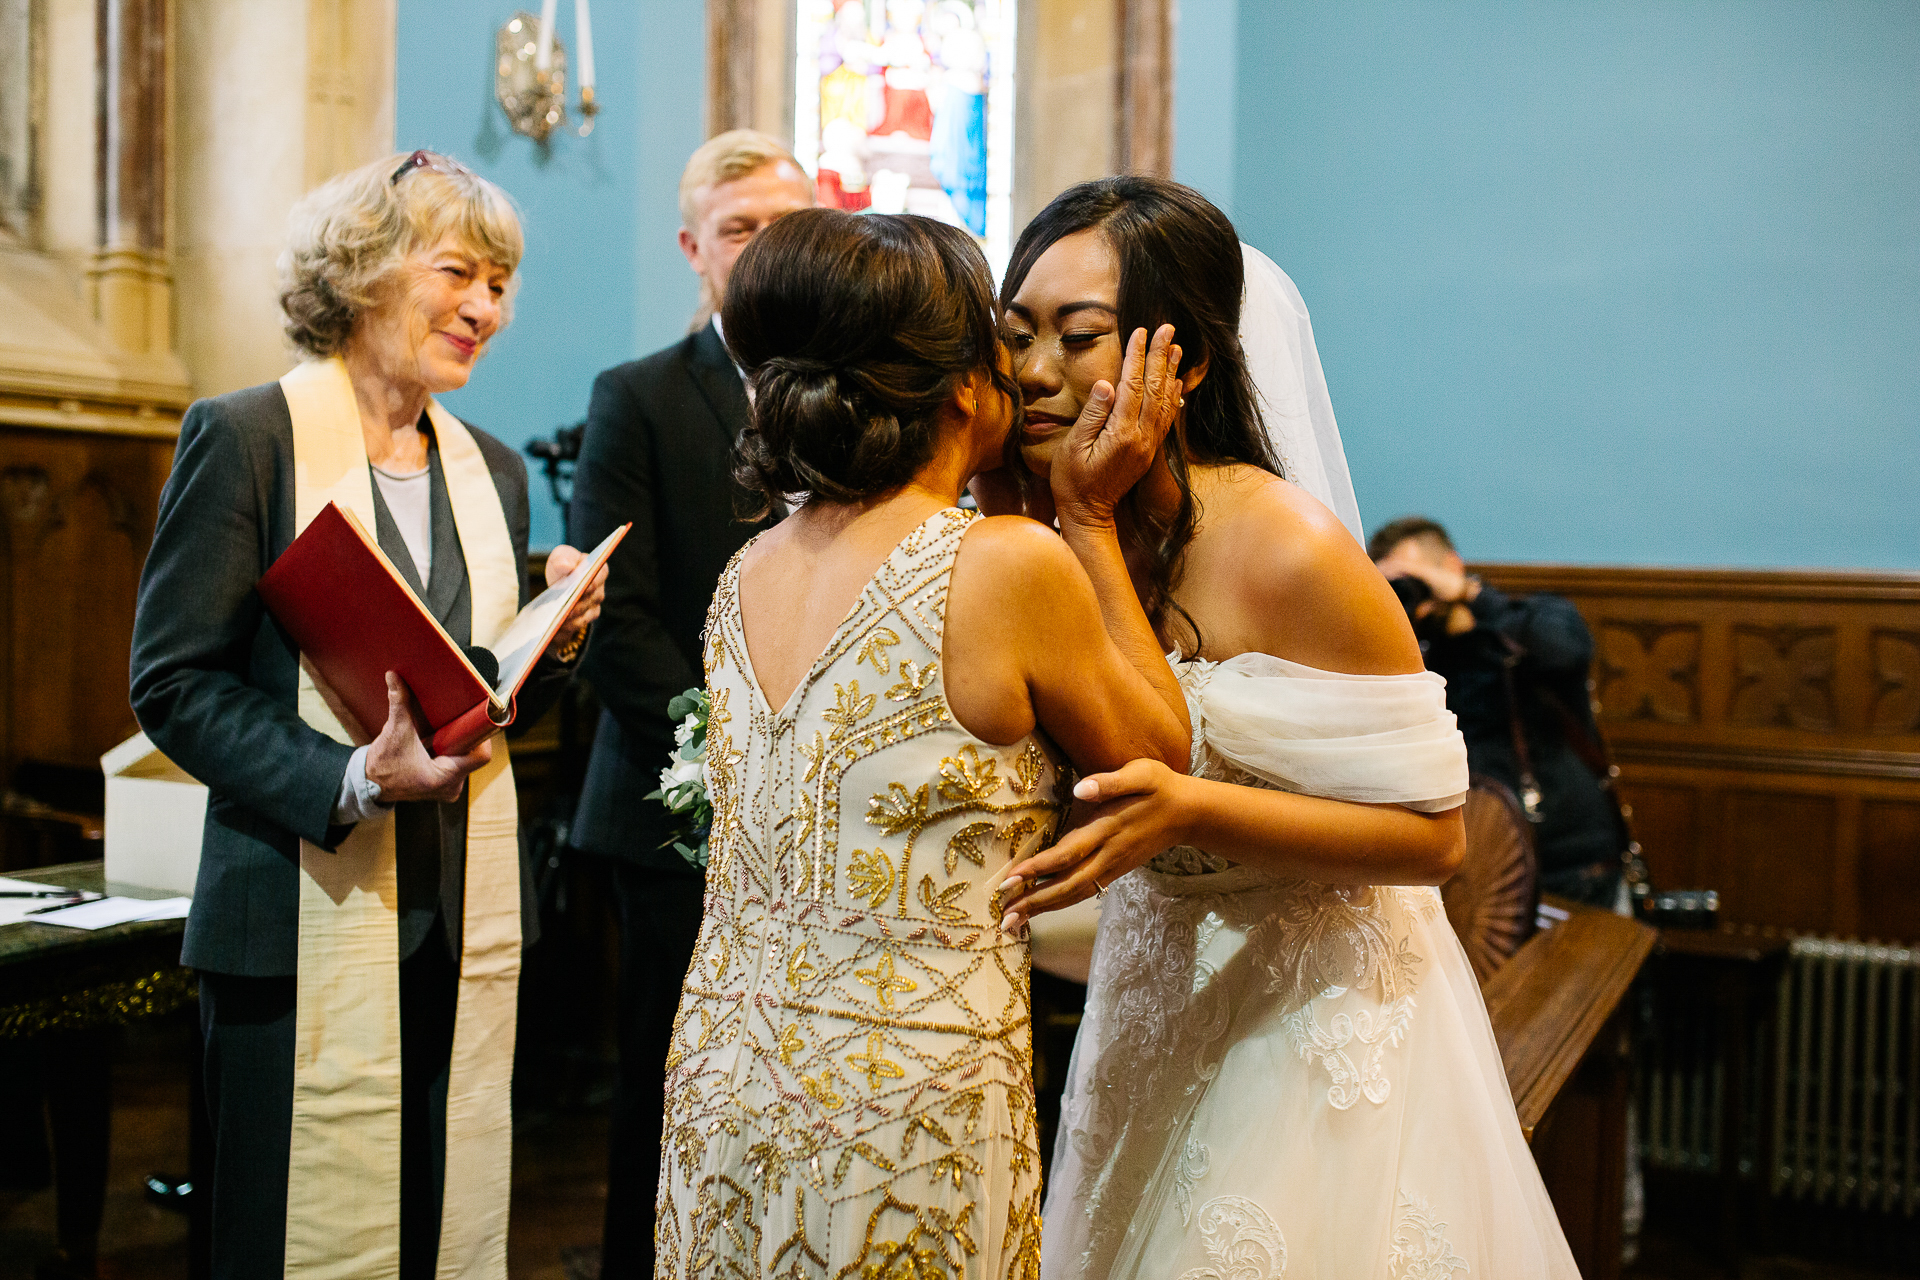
(130,287)
(1143,125)
(750,65)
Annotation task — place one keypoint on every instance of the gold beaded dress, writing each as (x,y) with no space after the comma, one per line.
(849,1092)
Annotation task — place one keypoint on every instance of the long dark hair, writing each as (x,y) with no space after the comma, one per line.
(1180,264)
(853,330)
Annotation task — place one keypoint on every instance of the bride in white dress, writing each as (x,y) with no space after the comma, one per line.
(1285,1068)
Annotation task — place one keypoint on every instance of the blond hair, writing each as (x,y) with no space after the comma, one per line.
(346,237)
(724,157)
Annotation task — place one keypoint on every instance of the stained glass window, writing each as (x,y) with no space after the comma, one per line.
(906,106)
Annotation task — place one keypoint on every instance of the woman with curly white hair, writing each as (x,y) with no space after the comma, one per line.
(361,903)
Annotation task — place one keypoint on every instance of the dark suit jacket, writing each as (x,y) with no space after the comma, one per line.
(657,451)
(216,681)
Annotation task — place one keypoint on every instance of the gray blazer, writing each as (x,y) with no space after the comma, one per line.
(215,685)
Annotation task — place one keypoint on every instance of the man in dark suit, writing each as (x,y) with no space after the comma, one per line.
(657,451)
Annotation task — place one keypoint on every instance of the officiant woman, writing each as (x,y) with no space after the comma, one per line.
(361,903)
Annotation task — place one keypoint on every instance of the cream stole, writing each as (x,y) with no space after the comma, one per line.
(343,1192)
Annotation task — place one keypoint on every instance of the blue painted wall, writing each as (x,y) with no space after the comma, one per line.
(602,280)
(1614,282)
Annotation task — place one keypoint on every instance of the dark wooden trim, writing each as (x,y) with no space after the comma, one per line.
(1771,585)
(1899,766)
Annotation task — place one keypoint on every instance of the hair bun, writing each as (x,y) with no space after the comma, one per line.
(852,331)
(800,366)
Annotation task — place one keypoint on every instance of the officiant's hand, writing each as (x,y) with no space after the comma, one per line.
(561,561)
(1119,431)
(400,764)
(1122,820)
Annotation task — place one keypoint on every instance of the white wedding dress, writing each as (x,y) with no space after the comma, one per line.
(1276,1078)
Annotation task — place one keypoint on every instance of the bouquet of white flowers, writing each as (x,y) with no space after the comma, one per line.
(683,783)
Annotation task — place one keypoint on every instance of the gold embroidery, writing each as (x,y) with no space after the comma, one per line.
(885,981)
(966,843)
(867,1151)
(821,1087)
(875,1065)
(968,777)
(934,1245)
(898,809)
(848,710)
(914,680)
(798,968)
(874,651)
(1016,831)
(870,876)
(940,902)
(813,750)
(754,1148)
(1031,767)
(956,1163)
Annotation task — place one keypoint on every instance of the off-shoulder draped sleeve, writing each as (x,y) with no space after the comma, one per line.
(1371,739)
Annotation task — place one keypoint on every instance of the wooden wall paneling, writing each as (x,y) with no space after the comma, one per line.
(1889,874)
(1767,726)
(1774,855)
(79,513)
(1666,819)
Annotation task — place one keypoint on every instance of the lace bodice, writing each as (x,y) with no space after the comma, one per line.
(850,1085)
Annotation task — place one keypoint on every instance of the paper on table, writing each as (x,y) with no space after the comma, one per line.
(14,910)
(104,912)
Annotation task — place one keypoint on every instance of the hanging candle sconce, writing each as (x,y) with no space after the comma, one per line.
(530,71)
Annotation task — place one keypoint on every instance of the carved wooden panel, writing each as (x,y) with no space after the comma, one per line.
(1783,676)
(1767,727)
(1647,671)
(1896,672)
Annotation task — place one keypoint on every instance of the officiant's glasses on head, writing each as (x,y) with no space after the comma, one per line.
(424,159)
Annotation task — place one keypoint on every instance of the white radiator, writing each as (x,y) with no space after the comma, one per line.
(1846,1069)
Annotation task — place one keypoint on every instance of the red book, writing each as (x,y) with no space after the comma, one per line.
(355,619)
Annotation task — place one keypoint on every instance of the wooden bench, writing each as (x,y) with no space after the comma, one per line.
(1558,1019)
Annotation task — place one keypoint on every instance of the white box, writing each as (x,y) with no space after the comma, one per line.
(155,816)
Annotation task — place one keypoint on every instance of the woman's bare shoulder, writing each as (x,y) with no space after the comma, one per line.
(1013,553)
(1305,590)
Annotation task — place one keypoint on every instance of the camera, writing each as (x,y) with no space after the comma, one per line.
(1414,593)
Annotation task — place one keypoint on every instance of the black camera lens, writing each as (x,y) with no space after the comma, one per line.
(1412,592)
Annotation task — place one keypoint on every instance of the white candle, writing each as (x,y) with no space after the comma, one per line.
(583,38)
(543,56)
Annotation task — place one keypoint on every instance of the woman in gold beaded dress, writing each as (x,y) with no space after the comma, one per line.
(899,688)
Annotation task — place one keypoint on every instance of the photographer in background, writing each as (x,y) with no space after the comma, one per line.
(1516,671)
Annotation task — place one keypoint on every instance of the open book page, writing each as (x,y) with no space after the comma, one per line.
(533,630)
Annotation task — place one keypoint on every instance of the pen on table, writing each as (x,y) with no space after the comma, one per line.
(42,893)
(72,902)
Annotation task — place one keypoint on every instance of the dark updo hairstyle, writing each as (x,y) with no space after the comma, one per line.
(853,330)
(1180,264)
